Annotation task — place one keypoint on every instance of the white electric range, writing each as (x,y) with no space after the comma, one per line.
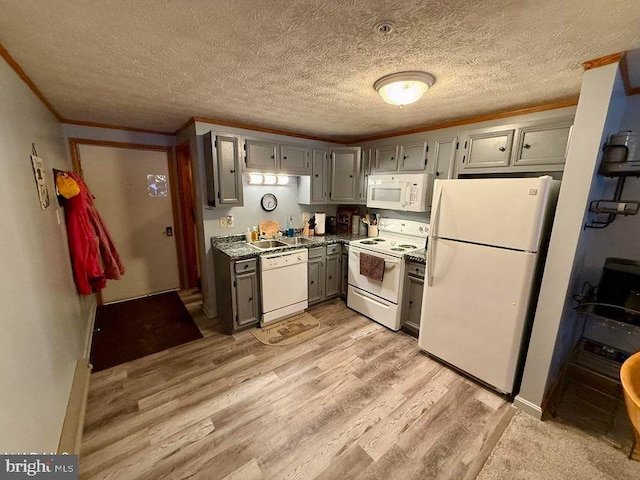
(380,300)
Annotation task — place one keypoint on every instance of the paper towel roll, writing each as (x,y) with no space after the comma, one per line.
(321,220)
(355,224)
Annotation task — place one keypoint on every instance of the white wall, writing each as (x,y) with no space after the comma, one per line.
(44,323)
(620,239)
(555,325)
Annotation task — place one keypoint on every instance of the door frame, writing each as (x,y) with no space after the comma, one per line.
(187,198)
(74,147)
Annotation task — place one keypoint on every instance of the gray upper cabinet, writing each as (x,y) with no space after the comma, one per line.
(345,167)
(294,159)
(319,176)
(223,168)
(386,159)
(365,163)
(443,154)
(486,149)
(261,156)
(542,144)
(413,157)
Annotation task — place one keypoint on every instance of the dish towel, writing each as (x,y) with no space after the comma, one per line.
(371,266)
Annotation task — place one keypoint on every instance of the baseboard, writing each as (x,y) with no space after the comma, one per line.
(528,407)
(71,436)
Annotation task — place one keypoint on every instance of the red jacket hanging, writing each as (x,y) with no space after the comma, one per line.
(93,253)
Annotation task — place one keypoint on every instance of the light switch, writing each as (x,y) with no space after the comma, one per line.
(230,221)
(223,222)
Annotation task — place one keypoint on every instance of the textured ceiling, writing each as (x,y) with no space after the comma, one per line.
(306,65)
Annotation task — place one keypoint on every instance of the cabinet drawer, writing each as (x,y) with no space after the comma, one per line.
(416,269)
(245,266)
(316,252)
(333,249)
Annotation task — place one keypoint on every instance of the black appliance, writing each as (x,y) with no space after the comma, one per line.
(331,225)
(619,290)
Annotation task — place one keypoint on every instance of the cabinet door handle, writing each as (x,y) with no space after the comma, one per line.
(405,157)
(393,158)
(311,282)
(273,156)
(502,149)
(330,277)
(437,174)
(251,299)
(246,266)
(284,158)
(527,146)
(410,302)
(232,171)
(317,175)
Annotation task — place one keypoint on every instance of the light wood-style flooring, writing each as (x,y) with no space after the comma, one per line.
(356,401)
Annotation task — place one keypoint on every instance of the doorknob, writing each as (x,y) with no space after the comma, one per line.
(168,232)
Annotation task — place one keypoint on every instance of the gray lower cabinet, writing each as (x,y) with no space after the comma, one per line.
(224,170)
(316,274)
(333,272)
(344,266)
(237,291)
(412,297)
(324,273)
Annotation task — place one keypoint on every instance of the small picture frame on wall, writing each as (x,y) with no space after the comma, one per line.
(41,181)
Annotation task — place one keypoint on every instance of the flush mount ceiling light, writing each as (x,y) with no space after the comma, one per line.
(403,88)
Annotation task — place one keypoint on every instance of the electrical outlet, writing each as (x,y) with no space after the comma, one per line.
(305,217)
(230,221)
(223,222)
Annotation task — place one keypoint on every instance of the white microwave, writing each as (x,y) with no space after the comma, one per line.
(408,192)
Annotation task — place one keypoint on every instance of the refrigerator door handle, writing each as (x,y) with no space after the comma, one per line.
(431,246)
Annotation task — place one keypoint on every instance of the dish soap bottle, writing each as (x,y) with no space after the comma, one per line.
(290,232)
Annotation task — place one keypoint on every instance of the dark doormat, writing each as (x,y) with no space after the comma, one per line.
(136,328)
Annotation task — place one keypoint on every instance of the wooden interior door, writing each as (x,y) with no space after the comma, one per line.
(187,209)
(133,195)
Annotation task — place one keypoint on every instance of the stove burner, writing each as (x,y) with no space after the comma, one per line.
(406,245)
(397,249)
(368,242)
(379,240)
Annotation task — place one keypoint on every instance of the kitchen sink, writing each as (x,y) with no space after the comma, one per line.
(297,241)
(267,244)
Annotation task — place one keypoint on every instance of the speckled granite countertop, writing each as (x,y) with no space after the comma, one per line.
(235,247)
(417,256)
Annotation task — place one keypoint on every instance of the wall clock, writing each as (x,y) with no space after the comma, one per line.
(269,202)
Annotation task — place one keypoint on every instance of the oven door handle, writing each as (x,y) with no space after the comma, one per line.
(386,262)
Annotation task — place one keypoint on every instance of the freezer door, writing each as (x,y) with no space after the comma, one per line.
(505,212)
(474,313)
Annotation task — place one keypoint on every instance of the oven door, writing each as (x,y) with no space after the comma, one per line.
(391,195)
(390,286)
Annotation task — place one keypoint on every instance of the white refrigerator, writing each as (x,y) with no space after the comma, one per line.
(482,260)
